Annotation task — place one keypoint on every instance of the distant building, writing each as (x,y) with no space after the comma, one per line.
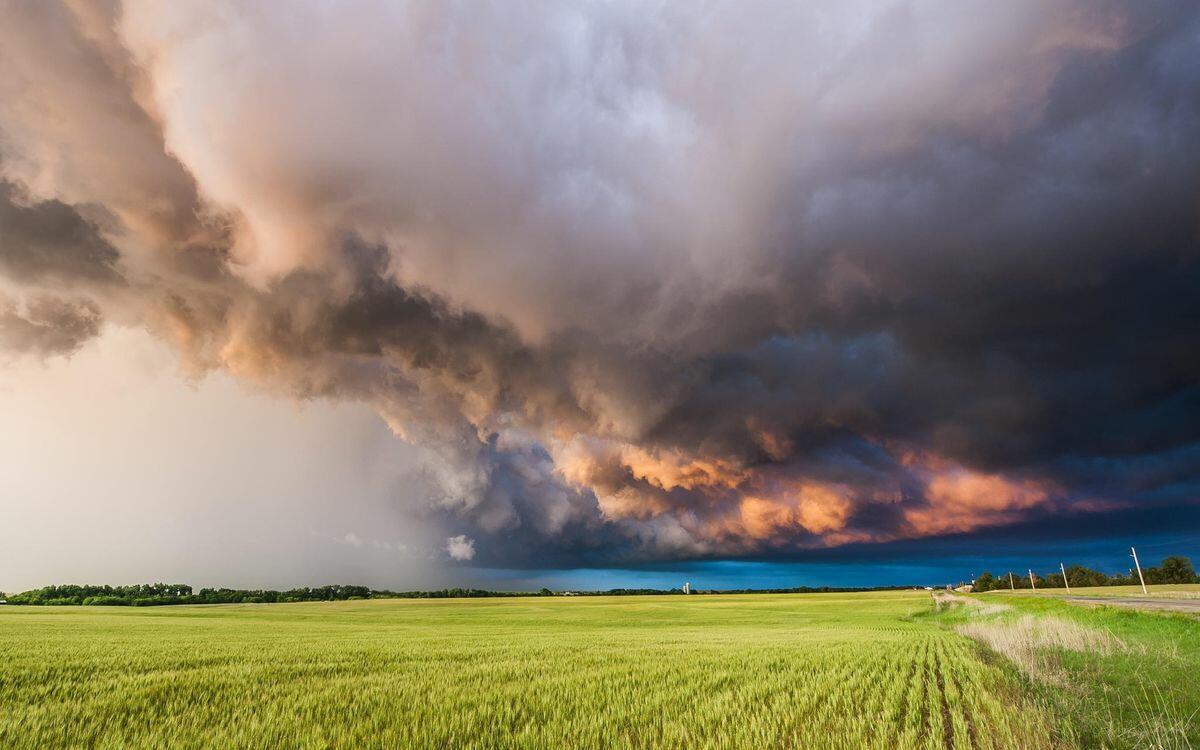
(687,588)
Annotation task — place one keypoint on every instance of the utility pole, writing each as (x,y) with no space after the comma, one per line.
(1012,586)
(1031,583)
(1138,565)
(1064,572)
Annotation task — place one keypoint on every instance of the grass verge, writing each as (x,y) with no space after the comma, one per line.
(1112,678)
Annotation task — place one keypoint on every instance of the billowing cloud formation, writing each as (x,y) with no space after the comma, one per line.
(646,284)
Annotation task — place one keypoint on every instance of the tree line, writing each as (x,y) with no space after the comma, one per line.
(158,594)
(1175,569)
(162,594)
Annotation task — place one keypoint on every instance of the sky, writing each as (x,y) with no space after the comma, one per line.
(421,294)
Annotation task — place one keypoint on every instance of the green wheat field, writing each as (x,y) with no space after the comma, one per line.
(878,670)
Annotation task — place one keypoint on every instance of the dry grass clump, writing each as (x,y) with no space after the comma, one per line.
(1032,642)
(944,600)
(990,608)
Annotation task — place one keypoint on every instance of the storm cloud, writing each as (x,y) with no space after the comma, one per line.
(48,241)
(646,284)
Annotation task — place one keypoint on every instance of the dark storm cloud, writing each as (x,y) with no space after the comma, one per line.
(50,245)
(639,292)
(48,241)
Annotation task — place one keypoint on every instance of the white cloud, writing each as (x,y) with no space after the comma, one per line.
(460,547)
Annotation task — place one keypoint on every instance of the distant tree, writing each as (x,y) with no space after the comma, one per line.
(985,582)
(1175,569)
(1079,576)
(1011,576)
(1127,578)
(1178,569)
(545,592)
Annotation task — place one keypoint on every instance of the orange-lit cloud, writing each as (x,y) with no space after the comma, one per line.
(813,508)
(958,499)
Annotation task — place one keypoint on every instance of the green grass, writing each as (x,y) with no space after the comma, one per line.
(1144,693)
(802,671)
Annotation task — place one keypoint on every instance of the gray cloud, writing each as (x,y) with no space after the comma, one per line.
(47,325)
(461,547)
(48,241)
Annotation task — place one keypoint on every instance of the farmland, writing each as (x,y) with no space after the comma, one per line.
(834,670)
